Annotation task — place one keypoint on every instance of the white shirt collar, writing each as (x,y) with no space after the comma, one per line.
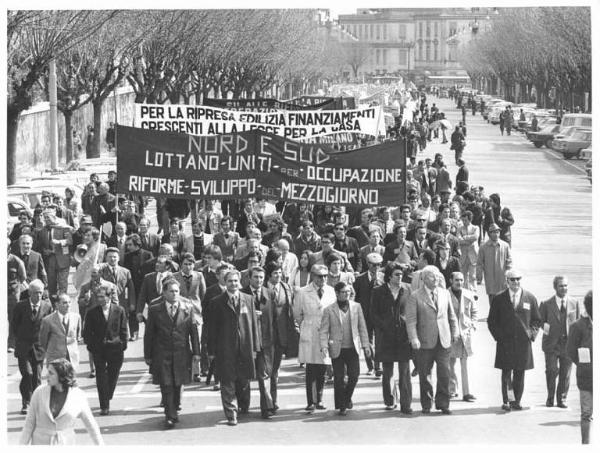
(558,299)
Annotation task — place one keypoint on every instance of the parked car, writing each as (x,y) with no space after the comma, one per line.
(572,142)
(15,206)
(576,119)
(544,119)
(489,105)
(544,136)
(31,192)
(494,116)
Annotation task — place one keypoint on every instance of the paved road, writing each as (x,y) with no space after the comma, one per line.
(551,203)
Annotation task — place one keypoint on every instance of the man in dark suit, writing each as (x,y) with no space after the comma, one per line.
(151,286)
(149,241)
(462,176)
(226,239)
(233,341)
(444,235)
(118,239)
(105,332)
(163,250)
(401,250)
(364,285)
(373,246)
(103,207)
(557,314)
(121,278)
(135,260)
(170,344)
(25,325)
(362,232)
(346,244)
(34,264)
(514,320)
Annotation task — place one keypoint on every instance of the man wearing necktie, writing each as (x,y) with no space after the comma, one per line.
(557,314)
(25,325)
(233,342)
(514,320)
(60,331)
(265,313)
(171,344)
(105,333)
(432,328)
(34,264)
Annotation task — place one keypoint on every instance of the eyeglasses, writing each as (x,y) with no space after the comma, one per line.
(514,279)
(318,276)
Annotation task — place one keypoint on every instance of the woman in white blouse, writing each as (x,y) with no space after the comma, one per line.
(55,407)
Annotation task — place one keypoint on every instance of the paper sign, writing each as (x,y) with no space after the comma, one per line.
(584,355)
(546,328)
(244,309)
(526,306)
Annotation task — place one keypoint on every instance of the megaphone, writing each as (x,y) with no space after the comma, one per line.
(80,252)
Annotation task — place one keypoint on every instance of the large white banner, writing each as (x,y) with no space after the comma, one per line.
(203,120)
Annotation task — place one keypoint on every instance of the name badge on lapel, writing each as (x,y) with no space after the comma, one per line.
(526,306)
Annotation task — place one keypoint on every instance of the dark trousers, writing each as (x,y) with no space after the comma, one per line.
(424,360)
(516,383)
(171,397)
(232,390)
(275,372)
(134,325)
(346,362)
(31,375)
(371,364)
(558,365)
(108,362)
(315,380)
(403,382)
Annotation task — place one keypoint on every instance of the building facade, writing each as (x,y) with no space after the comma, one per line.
(417,41)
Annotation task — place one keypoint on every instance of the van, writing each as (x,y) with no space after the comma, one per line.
(576,119)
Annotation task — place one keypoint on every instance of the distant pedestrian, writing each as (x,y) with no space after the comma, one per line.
(508,120)
(110,136)
(501,120)
(580,350)
(89,144)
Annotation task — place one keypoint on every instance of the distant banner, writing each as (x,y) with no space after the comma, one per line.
(204,120)
(338,103)
(266,105)
(257,164)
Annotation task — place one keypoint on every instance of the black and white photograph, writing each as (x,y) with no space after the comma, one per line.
(319,224)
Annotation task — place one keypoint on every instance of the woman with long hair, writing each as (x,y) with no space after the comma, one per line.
(55,407)
(301,275)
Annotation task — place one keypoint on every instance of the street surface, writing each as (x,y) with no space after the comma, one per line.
(551,200)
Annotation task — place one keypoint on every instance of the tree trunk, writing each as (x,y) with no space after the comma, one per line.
(97,104)
(68,114)
(11,148)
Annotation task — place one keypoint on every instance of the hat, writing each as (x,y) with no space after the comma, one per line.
(319,269)
(513,273)
(374,258)
(112,249)
(86,219)
(493,227)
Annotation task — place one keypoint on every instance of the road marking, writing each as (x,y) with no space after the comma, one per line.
(561,158)
(137,388)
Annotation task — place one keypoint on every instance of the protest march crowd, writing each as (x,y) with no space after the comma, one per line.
(258,281)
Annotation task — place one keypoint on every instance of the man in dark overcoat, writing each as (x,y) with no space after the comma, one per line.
(233,342)
(514,320)
(391,338)
(170,343)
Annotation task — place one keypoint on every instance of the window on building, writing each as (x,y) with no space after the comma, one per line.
(420,28)
(385,52)
(371,31)
(402,57)
(428,53)
(385,32)
(421,52)
(402,31)
(435,29)
(377,56)
(452,30)
(435,52)
(428,30)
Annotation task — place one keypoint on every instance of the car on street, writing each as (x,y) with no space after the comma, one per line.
(489,105)
(544,118)
(572,141)
(576,119)
(31,192)
(544,136)
(15,206)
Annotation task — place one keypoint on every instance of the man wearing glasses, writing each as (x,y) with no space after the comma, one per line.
(514,320)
